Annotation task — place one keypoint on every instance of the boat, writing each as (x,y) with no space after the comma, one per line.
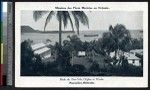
(94,35)
(141,31)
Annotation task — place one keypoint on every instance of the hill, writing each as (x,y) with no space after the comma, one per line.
(28,29)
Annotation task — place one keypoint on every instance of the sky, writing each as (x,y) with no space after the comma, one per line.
(98,20)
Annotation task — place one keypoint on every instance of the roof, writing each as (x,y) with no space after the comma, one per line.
(37,46)
(42,50)
(131,56)
(137,50)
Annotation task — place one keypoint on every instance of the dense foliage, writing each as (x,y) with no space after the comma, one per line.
(117,40)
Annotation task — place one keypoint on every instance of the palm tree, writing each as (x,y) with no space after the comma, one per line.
(63,17)
(118,39)
(121,38)
(108,43)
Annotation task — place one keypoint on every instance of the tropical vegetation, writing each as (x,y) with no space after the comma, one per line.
(97,63)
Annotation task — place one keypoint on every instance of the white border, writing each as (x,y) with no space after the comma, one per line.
(54,81)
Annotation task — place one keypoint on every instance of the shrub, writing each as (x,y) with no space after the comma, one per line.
(78,69)
(94,67)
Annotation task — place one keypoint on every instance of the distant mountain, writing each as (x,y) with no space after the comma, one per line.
(28,29)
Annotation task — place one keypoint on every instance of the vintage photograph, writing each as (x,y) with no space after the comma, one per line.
(81,43)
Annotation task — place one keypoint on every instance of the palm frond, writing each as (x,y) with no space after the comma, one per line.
(70,21)
(48,19)
(38,14)
(76,22)
(59,15)
(82,17)
(65,18)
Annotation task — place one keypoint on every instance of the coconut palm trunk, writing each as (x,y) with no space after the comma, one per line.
(60,32)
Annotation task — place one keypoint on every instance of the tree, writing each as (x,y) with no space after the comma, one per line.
(108,43)
(85,45)
(38,66)
(137,43)
(67,46)
(117,40)
(75,42)
(121,38)
(31,64)
(63,17)
(99,46)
